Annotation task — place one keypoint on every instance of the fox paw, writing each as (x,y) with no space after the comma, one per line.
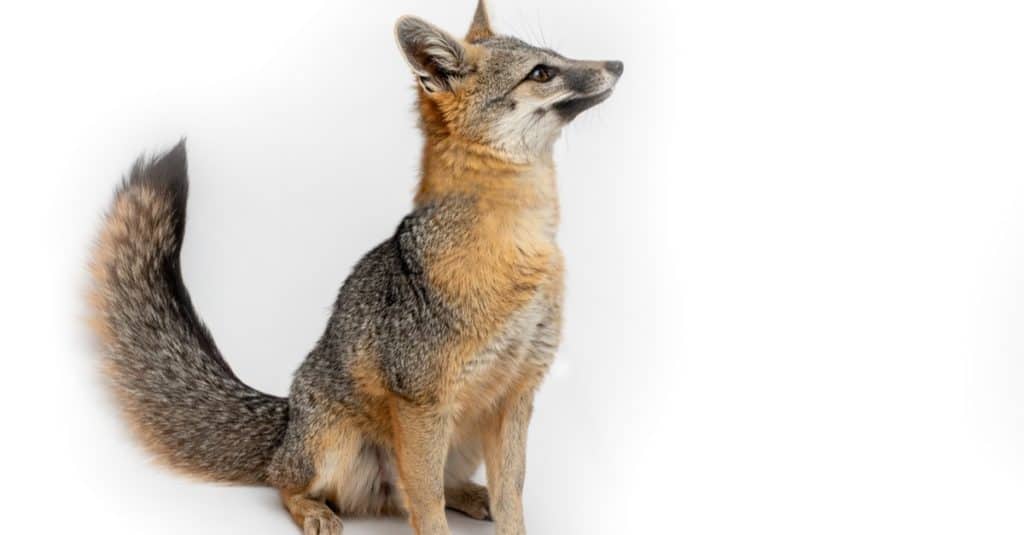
(322,524)
(470,499)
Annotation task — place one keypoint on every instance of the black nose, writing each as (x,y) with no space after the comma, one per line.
(614,67)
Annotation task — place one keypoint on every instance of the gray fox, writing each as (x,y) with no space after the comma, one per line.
(437,340)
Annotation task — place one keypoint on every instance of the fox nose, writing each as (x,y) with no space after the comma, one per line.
(614,67)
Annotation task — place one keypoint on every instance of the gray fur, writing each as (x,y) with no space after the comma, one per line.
(182,397)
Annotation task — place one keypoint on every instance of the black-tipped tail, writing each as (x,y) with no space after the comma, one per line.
(177,392)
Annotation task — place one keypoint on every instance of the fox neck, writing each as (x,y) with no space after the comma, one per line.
(500,187)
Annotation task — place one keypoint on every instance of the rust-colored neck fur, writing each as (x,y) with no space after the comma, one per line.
(454,165)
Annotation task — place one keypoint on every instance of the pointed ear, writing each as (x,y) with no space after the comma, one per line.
(437,59)
(481,27)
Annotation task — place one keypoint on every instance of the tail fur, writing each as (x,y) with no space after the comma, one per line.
(177,392)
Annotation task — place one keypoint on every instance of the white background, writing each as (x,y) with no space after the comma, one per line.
(795,243)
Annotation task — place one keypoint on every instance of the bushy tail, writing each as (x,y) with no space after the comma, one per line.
(176,391)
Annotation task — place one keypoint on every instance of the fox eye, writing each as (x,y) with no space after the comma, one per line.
(542,73)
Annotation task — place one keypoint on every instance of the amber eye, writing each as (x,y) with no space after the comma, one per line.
(542,73)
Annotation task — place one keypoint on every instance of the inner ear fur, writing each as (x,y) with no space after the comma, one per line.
(436,58)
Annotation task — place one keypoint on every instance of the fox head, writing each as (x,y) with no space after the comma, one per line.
(496,90)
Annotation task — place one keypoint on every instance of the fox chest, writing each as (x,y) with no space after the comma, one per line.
(517,356)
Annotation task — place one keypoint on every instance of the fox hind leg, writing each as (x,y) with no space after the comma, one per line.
(469,499)
(312,515)
(460,493)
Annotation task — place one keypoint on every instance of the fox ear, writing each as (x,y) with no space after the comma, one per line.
(437,59)
(481,27)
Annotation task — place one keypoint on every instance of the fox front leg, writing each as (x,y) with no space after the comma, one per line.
(505,457)
(421,435)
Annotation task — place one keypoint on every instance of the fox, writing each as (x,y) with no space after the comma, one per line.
(438,339)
